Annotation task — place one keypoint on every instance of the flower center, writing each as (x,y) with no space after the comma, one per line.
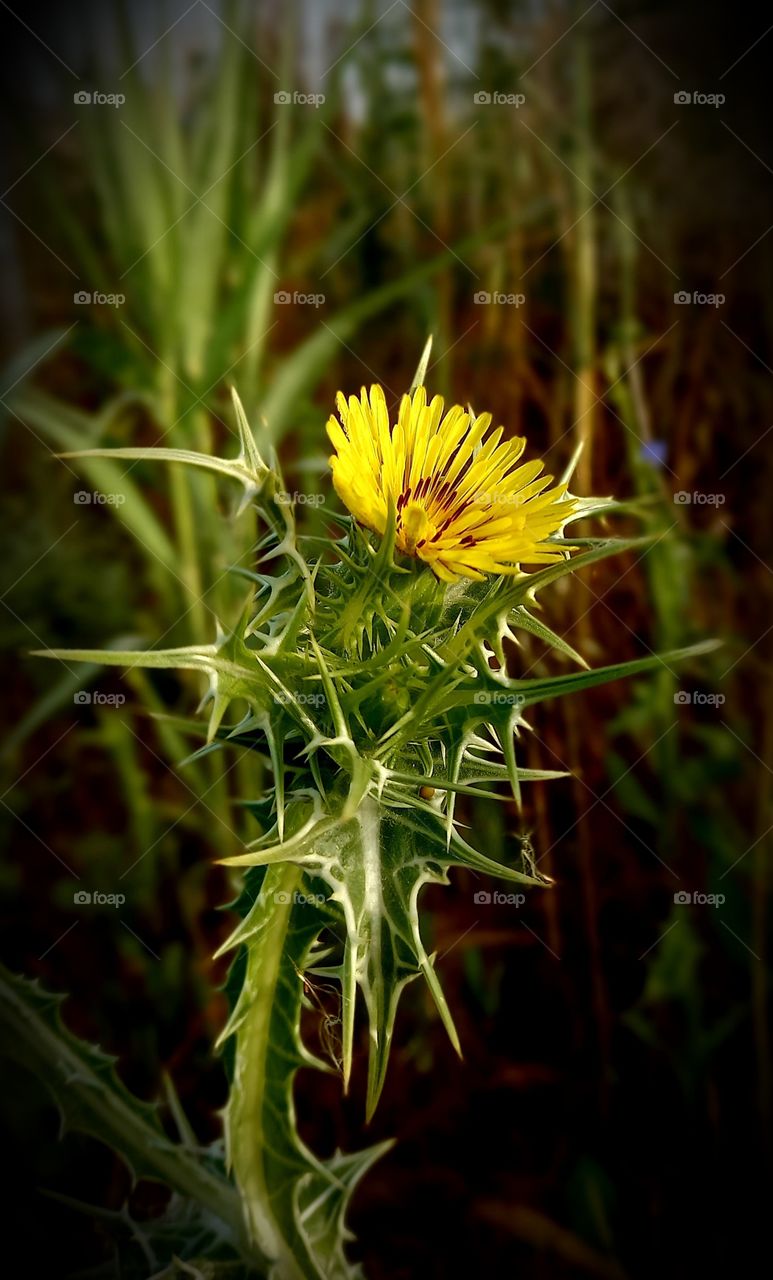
(415,527)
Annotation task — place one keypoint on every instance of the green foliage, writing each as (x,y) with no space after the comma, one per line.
(92,1100)
(378,694)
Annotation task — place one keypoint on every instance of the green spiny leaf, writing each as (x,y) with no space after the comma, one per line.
(294,1203)
(92,1100)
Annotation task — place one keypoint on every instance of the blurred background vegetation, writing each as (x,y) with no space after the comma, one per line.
(612,1114)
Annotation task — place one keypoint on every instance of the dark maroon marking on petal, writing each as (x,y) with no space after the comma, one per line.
(458,507)
(450,498)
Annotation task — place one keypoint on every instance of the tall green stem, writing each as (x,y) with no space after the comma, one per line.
(246,1130)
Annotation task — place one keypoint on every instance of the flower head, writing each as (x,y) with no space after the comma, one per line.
(461,503)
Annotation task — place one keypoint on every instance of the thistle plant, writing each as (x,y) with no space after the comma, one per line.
(369,668)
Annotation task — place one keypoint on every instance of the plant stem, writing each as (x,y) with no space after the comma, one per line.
(245,1117)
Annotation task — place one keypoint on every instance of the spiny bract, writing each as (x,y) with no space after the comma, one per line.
(373,672)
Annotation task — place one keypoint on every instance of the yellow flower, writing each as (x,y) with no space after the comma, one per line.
(461,505)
